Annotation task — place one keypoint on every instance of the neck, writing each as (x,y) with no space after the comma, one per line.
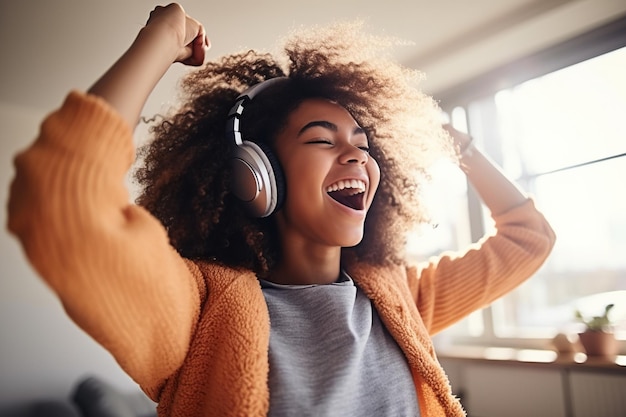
(302,265)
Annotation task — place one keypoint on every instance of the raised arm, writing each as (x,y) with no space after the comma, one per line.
(169,36)
(109,261)
(497,191)
(453,285)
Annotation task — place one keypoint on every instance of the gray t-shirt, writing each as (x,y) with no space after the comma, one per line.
(330,355)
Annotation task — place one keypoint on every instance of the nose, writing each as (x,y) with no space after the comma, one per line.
(354,155)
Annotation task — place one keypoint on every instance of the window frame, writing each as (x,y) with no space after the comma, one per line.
(599,41)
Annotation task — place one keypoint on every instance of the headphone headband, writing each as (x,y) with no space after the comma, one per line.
(234,115)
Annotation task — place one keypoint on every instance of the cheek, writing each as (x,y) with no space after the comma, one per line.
(305,170)
(303,179)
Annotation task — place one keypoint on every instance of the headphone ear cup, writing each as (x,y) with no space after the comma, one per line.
(279,178)
(257,179)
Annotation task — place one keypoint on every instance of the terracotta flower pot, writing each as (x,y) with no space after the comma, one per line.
(598,343)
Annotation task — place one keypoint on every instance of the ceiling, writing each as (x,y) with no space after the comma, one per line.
(51,46)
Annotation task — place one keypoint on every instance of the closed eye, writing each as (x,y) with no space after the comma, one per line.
(323,141)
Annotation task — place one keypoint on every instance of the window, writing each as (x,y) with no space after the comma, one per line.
(562,136)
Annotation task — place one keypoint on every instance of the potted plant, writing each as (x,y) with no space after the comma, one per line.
(598,338)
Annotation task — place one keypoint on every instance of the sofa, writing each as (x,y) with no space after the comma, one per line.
(91,397)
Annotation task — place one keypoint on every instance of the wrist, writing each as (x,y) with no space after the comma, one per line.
(162,40)
(466,149)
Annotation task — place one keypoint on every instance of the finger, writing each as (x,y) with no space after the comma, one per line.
(199,46)
(197,49)
(153,13)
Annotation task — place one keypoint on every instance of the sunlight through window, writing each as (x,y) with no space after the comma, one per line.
(562,136)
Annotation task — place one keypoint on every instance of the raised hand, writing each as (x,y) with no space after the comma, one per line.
(169,36)
(462,141)
(190,33)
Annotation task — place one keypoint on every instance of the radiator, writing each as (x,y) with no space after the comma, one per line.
(595,394)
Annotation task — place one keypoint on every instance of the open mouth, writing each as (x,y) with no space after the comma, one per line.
(350,193)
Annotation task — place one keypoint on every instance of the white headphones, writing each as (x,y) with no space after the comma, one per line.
(257,179)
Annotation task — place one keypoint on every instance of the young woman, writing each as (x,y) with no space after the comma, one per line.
(298,302)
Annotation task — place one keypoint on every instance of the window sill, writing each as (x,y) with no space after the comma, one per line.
(535,357)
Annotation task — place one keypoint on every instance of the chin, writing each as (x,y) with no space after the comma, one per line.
(351,242)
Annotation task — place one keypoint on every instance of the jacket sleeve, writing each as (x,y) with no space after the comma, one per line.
(108,260)
(449,287)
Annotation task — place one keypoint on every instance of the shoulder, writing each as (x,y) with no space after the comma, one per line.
(215,277)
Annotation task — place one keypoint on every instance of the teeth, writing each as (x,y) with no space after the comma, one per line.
(357,185)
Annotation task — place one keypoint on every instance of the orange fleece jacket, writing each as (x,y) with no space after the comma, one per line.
(194,335)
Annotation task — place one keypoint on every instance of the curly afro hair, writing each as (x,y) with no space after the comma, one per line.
(186,172)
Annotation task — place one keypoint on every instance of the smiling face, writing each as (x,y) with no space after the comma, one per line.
(331,178)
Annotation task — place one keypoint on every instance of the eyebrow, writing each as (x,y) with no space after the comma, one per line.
(328,125)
